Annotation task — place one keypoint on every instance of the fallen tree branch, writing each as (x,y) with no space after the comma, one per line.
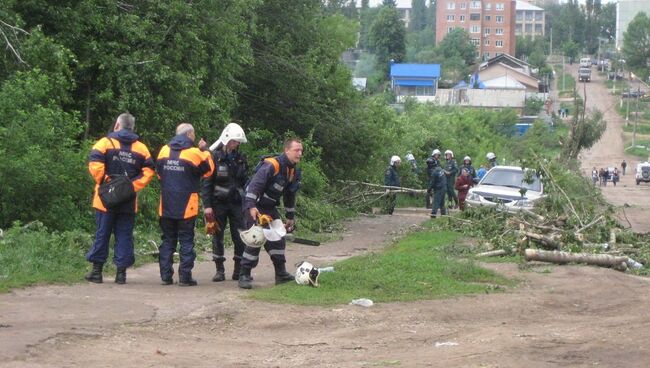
(552,181)
(544,240)
(493,253)
(603,260)
(403,189)
(597,220)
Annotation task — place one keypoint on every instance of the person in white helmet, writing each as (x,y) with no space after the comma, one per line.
(432,162)
(492,159)
(391,178)
(222,194)
(451,170)
(467,164)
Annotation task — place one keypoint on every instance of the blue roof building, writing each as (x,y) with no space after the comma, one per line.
(414,80)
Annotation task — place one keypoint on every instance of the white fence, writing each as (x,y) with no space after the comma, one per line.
(490,98)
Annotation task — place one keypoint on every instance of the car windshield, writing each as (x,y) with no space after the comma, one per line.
(512,179)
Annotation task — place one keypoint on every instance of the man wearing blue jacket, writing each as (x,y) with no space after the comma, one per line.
(180,167)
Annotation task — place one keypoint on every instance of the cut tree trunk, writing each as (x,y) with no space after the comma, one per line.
(603,260)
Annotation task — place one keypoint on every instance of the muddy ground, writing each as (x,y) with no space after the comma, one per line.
(569,316)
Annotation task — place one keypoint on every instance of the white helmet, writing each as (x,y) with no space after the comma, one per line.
(491,156)
(449,152)
(467,158)
(276,230)
(410,157)
(232,131)
(395,159)
(435,152)
(253,237)
(307,274)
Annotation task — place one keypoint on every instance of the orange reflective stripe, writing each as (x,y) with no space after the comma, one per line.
(275,163)
(192,208)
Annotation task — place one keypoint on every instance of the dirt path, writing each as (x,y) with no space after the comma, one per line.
(556,316)
(609,152)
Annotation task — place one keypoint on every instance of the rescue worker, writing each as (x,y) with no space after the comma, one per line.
(134,157)
(391,179)
(435,157)
(492,159)
(451,170)
(467,164)
(438,186)
(180,167)
(276,177)
(462,185)
(414,165)
(222,194)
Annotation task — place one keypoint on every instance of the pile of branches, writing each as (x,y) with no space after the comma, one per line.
(572,224)
(361,196)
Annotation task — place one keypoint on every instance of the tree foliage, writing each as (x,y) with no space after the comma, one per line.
(636,45)
(387,37)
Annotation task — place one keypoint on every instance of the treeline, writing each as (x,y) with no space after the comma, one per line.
(68,68)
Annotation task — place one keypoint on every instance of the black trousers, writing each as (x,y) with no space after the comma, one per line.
(225,213)
(176,231)
(275,249)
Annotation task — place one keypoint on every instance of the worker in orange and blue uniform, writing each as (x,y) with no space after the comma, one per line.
(276,178)
(122,144)
(180,167)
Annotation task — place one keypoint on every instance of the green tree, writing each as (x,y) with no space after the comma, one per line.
(418,21)
(636,45)
(388,36)
(571,50)
(457,43)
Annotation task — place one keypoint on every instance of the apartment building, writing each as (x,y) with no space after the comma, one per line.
(490,24)
(626,10)
(529,20)
(402,6)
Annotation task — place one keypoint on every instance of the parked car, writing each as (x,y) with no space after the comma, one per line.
(633,93)
(642,172)
(506,187)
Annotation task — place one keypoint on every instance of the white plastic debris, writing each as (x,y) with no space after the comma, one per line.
(633,264)
(446,343)
(362,302)
(326,269)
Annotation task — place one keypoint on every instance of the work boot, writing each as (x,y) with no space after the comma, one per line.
(236,270)
(96,274)
(245,279)
(221,272)
(187,282)
(281,274)
(120,276)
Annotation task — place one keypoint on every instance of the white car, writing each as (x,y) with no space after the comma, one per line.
(502,187)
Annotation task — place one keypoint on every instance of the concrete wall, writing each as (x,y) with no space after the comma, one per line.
(489,98)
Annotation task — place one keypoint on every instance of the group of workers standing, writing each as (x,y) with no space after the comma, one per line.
(444,179)
(219,175)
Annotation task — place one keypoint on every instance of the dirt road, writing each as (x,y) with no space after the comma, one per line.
(609,152)
(556,316)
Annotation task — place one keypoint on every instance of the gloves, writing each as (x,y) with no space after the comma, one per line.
(264,220)
(212,228)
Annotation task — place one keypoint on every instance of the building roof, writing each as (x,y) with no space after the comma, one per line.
(503,82)
(415,70)
(508,60)
(522,5)
(399,4)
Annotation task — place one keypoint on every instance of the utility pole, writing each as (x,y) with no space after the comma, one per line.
(563,72)
(636,115)
(550,49)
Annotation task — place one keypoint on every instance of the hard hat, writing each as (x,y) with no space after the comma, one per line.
(449,152)
(307,274)
(253,237)
(467,158)
(232,131)
(410,157)
(395,159)
(435,152)
(276,230)
(491,156)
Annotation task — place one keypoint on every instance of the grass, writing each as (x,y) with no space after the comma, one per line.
(640,128)
(641,152)
(620,85)
(417,267)
(567,85)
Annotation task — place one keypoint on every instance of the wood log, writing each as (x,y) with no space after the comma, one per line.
(603,260)
(547,241)
(493,253)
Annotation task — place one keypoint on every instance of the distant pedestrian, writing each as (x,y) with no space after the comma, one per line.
(594,175)
(438,186)
(391,179)
(601,176)
(480,173)
(467,164)
(462,185)
(615,176)
(492,159)
(451,170)
(623,166)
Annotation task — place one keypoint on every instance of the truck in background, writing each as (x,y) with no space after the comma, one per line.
(585,62)
(584,74)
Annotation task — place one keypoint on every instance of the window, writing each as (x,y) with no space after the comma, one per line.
(499,6)
(488,6)
(475,41)
(462,18)
(520,15)
(538,16)
(450,18)
(463,6)
(488,18)
(518,29)
(529,28)
(498,43)
(475,16)
(486,56)
(487,31)
(475,5)
(499,32)
(529,16)
(449,29)
(451,5)
(424,91)
(538,29)
(499,18)
(475,29)
(486,42)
